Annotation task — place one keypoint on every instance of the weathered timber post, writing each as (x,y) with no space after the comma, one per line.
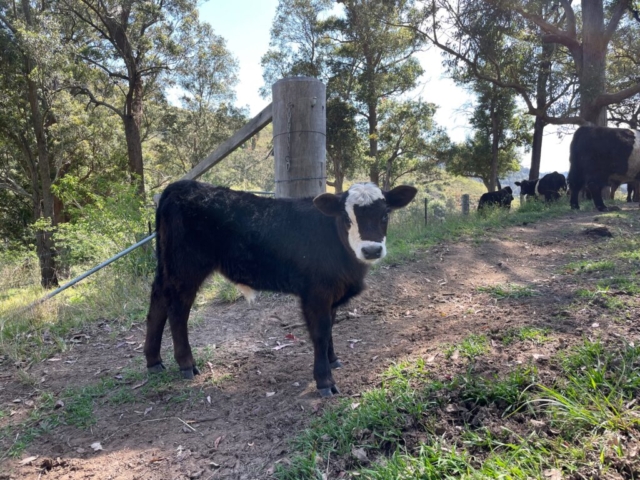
(465,204)
(299,137)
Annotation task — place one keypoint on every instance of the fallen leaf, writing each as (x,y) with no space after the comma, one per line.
(270,394)
(355,405)
(360,454)
(53,359)
(217,442)
(80,450)
(432,358)
(147,410)
(96,446)
(209,399)
(456,355)
(28,460)
(595,325)
(28,403)
(284,345)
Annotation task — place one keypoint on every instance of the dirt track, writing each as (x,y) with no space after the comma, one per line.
(235,420)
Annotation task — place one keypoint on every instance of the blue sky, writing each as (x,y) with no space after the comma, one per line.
(245,24)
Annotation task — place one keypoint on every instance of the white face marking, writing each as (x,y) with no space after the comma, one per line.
(246,291)
(362,194)
(634,159)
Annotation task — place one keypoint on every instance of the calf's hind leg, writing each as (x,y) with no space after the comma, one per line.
(156,320)
(179,309)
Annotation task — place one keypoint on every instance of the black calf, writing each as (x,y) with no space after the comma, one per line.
(318,249)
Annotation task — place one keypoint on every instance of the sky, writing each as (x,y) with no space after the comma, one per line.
(245,24)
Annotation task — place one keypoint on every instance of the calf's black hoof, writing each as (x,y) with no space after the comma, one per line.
(189,373)
(335,365)
(326,392)
(157,368)
(329,391)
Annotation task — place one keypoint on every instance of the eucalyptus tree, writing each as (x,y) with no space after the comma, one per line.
(499,130)
(127,48)
(481,41)
(299,45)
(375,58)
(205,117)
(32,62)
(409,140)
(582,36)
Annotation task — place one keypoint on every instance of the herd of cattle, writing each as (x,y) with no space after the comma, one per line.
(600,157)
(319,249)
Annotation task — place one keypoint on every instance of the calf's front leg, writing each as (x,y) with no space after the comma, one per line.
(317,314)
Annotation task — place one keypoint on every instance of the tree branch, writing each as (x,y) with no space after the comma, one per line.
(618,11)
(78,90)
(609,98)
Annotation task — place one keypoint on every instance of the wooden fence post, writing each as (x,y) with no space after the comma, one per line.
(465,204)
(299,137)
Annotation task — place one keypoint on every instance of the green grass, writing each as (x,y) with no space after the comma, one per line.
(509,290)
(408,233)
(533,335)
(591,398)
(471,347)
(590,266)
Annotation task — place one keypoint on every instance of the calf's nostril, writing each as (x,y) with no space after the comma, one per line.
(372,251)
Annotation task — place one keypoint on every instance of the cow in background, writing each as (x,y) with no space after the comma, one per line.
(600,156)
(318,249)
(501,198)
(548,186)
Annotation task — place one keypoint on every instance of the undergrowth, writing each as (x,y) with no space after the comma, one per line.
(574,417)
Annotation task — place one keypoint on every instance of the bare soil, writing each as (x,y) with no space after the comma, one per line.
(256,393)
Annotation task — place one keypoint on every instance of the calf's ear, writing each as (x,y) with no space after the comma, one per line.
(400,196)
(329,204)
(518,184)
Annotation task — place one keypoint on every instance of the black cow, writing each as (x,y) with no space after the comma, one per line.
(318,249)
(548,186)
(600,156)
(501,198)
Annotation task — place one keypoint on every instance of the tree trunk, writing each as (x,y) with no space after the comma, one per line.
(339,174)
(592,74)
(536,148)
(374,171)
(44,207)
(132,120)
(541,101)
(495,143)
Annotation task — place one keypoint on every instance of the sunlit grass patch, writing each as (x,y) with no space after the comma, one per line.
(471,347)
(508,290)
(526,334)
(44,329)
(589,266)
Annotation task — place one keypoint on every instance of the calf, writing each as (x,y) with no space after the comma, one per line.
(599,157)
(548,186)
(318,249)
(501,198)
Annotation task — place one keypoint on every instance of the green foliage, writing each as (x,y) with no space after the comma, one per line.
(105,225)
